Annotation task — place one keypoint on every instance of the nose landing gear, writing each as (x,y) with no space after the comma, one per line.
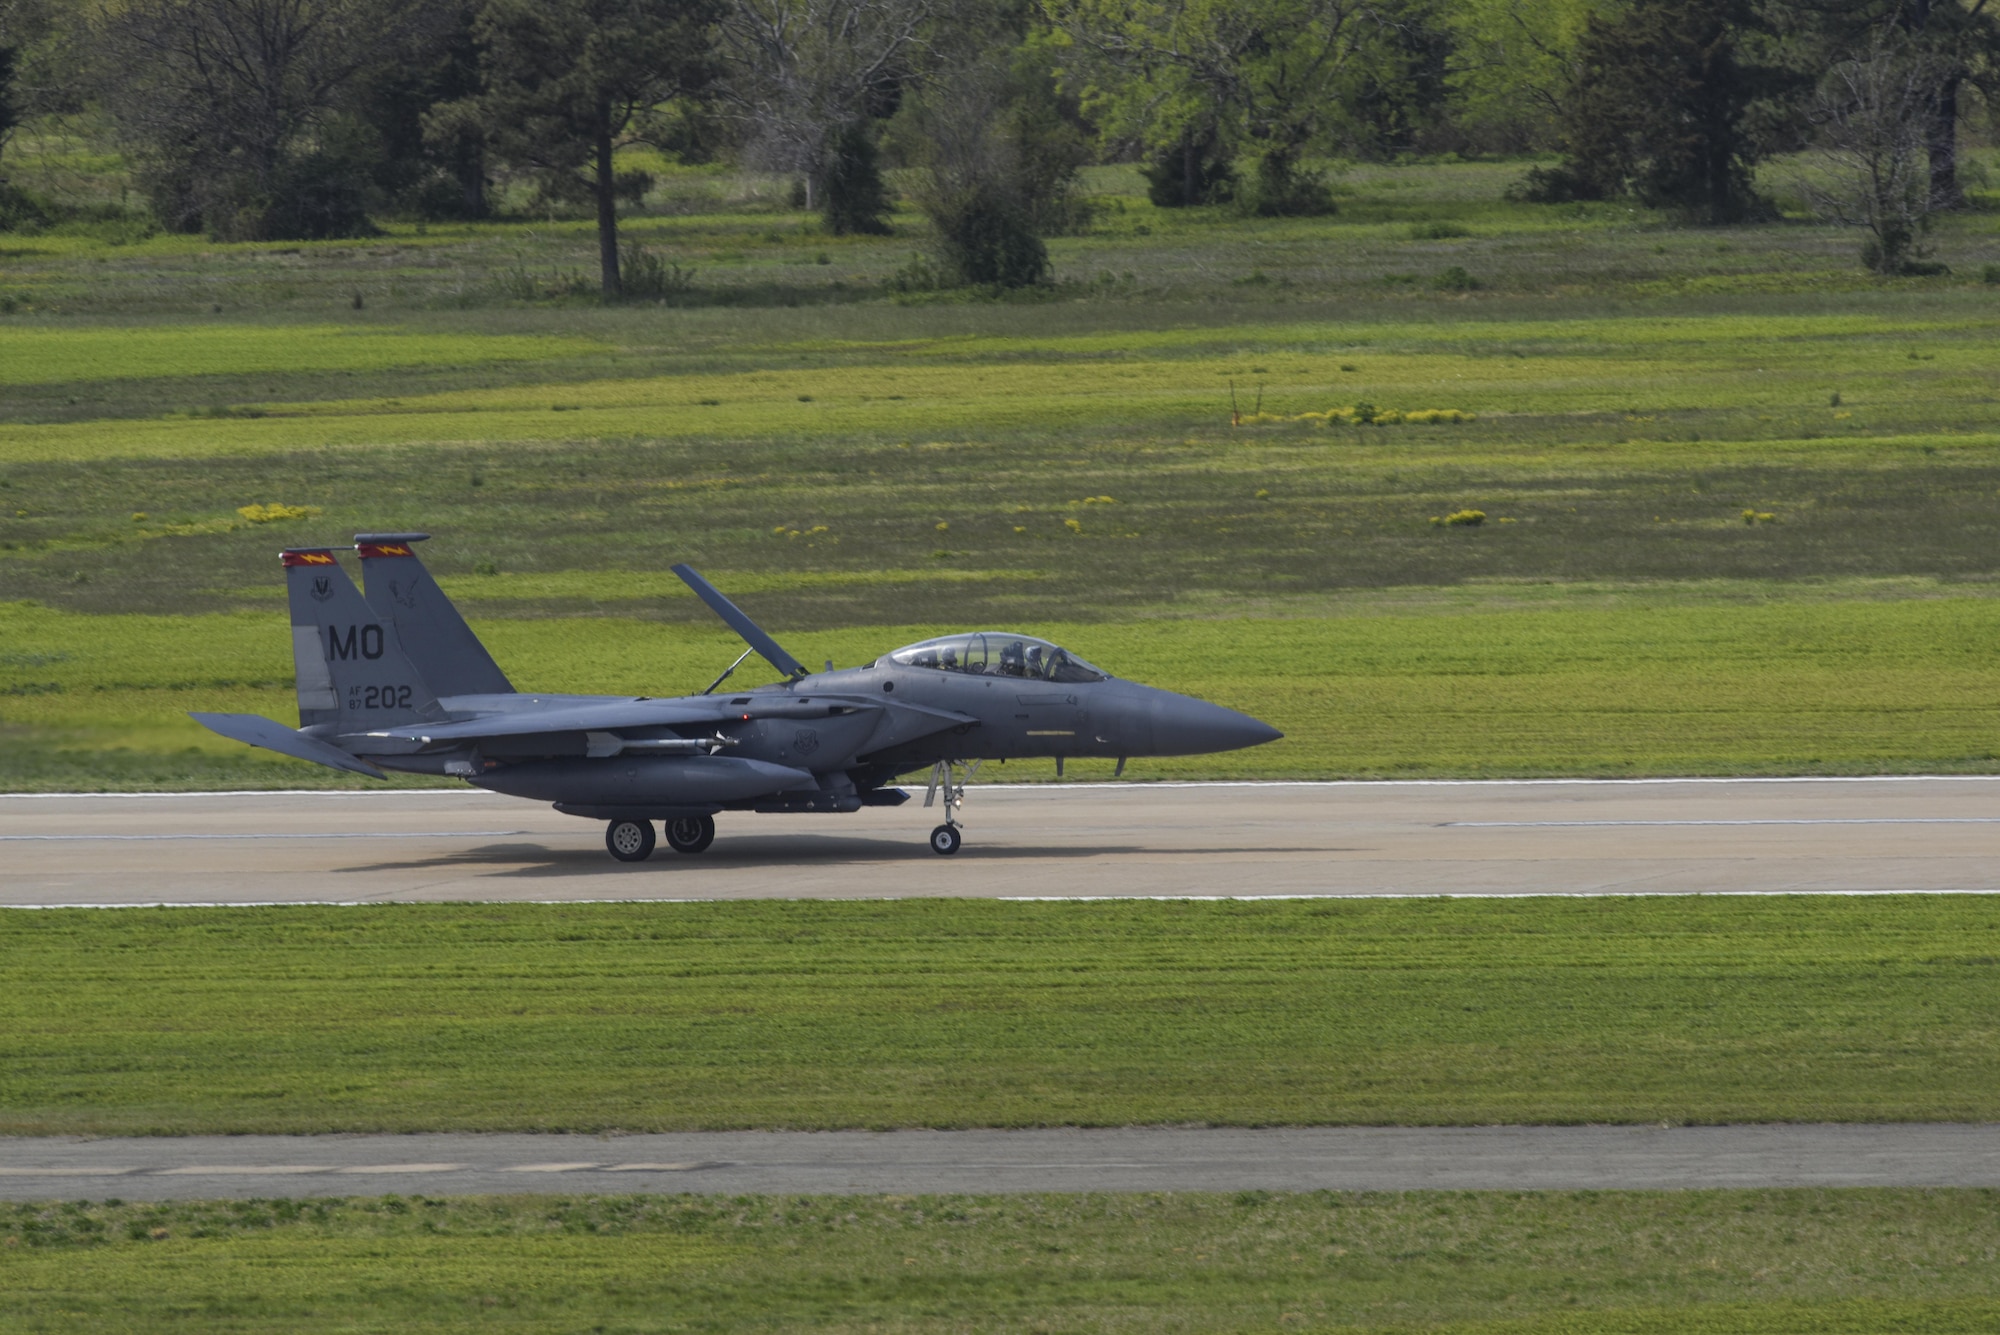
(946,839)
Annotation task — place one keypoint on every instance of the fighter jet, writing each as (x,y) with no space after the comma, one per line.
(394,679)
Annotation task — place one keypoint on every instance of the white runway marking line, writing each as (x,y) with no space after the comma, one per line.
(243,1170)
(405,1168)
(549,1167)
(301,1170)
(152,838)
(1801,820)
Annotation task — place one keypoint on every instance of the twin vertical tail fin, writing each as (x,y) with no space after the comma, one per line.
(434,636)
(352,672)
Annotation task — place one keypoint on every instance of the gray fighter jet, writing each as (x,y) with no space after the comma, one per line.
(395,680)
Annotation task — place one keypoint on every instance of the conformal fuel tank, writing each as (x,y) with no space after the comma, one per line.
(650,781)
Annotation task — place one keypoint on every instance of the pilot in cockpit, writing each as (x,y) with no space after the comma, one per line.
(1012,661)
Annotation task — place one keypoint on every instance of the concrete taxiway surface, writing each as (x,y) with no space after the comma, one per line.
(1122,1159)
(1133,839)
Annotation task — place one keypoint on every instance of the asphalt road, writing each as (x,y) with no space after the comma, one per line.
(1132,839)
(1123,1159)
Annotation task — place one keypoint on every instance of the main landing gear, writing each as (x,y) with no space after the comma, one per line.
(629,840)
(632,840)
(689,834)
(946,839)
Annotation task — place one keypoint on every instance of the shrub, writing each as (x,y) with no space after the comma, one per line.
(1436,231)
(644,276)
(975,184)
(921,274)
(1460,519)
(1282,189)
(1193,170)
(21,211)
(985,237)
(852,196)
(1455,279)
(1562,183)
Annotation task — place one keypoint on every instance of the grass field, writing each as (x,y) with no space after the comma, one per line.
(1866,679)
(1743,499)
(1611,1263)
(968,1013)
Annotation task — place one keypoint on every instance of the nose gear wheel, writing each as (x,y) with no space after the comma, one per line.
(947,838)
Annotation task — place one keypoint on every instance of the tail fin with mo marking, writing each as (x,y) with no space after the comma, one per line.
(352,673)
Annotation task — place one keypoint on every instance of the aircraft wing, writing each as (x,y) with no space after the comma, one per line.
(272,735)
(609,716)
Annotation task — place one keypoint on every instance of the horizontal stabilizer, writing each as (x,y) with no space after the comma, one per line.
(753,635)
(256,730)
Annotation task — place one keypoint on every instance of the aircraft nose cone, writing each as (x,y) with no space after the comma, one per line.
(1183,726)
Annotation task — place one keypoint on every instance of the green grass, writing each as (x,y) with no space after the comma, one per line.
(1606,682)
(1748,377)
(1485,1263)
(44,356)
(859,463)
(967,1013)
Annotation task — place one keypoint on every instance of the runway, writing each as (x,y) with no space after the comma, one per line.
(1118,1159)
(1065,840)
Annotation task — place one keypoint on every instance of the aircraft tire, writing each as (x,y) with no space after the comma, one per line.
(945,840)
(689,834)
(629,840)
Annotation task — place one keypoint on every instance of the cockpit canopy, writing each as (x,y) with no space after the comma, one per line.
(996,653)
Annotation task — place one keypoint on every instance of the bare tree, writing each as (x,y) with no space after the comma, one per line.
(802,75)
(1874,117)
(222,99)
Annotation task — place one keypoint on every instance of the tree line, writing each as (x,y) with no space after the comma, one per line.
(300,119)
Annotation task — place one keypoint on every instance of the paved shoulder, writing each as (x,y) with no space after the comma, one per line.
(1116,1159)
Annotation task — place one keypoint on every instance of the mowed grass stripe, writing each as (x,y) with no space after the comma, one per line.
(1781,335)
(1477,1263)
(957,1013)
(40,355)
(1564,367)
